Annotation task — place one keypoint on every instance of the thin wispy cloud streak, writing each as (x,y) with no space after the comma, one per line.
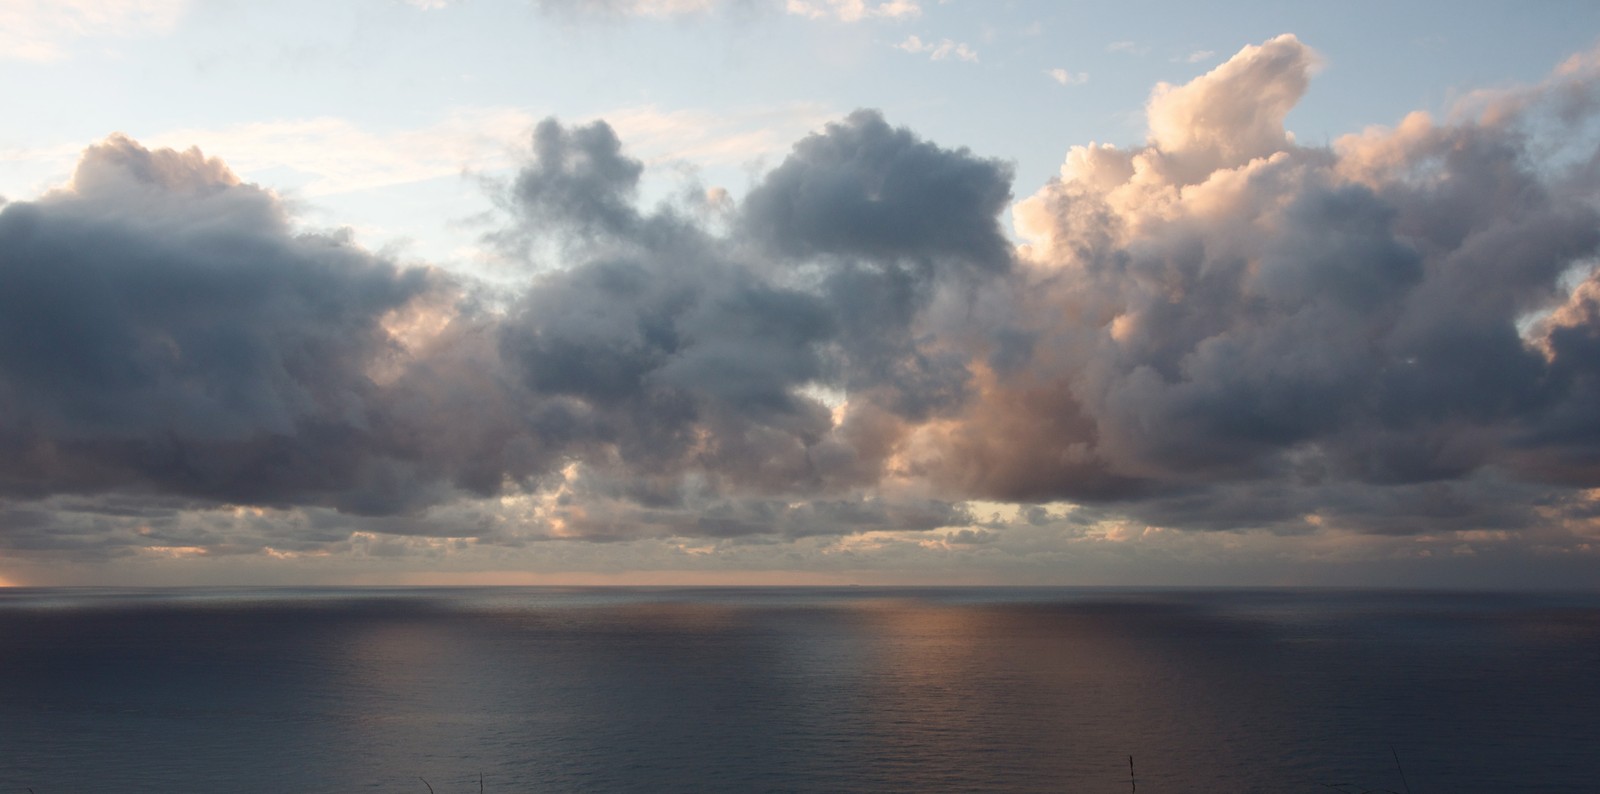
(44,31)
(1396,334)
(845,11)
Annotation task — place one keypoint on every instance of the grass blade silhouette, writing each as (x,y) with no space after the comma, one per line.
(1402,770)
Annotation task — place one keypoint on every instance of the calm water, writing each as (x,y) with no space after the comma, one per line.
(550,690)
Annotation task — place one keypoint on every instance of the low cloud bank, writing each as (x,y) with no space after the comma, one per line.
(1397,334)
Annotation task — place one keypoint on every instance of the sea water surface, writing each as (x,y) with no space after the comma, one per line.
(817,690)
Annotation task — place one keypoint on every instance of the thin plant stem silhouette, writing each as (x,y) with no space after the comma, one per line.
(1402,770)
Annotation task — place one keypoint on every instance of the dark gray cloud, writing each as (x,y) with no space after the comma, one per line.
(864,189)
(579,179)
(673,350)
(166,332)
(161,327)
(1561,442)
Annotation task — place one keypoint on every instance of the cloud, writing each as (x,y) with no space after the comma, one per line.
(670,352)
(44,30)
(666,7)
(864,188)
(939,50)
(167,335)
(167,332)
(335,155)
(1215,330)
(854,10)
(1234,113)
(316,158)
(1065,77)
(1252,311)
(736,136)
(164,329)
(635,8)
(833,10)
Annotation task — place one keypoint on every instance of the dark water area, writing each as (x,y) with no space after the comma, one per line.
(817,690)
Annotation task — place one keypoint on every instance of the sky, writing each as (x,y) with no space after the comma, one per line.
(799,292)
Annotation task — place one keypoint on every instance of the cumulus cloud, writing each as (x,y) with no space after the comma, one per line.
(1233,114)
(167,333)
(1394,336)
(165,329)
(669,352)
(1245,309)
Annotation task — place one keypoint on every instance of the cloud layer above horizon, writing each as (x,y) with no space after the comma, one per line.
(1396,335)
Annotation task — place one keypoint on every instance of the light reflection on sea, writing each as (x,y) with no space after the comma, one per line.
(795,689)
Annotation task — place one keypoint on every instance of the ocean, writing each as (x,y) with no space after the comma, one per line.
(856,689)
